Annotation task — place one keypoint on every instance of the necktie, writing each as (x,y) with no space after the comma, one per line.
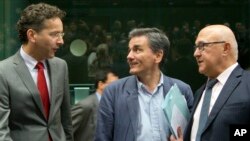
(42,87)
(205,107)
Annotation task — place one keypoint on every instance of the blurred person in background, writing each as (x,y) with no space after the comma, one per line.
(84,113)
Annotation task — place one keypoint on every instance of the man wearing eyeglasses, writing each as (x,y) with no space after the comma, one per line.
(34,90)
(216,52)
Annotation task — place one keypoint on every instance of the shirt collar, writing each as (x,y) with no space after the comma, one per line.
(140,84)
(99,96)
(222,78)
(29,61)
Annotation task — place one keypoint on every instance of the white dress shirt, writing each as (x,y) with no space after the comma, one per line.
(31,64)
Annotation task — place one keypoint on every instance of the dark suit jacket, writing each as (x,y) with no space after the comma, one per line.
(84,118)
(231,107)
(21,112)
(117,115)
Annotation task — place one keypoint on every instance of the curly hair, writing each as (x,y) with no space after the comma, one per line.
(34,16)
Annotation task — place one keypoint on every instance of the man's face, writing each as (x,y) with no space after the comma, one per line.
(49,39)
(141,59)
(210,58)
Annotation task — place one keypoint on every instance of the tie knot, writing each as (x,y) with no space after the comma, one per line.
(211,83)
(39,65)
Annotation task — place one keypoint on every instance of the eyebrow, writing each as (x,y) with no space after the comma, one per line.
(136,46)
(200,42)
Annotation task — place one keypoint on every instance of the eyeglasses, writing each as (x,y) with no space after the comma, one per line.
(201,46)
(57,35)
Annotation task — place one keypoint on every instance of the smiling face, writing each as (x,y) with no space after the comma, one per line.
(141,59)
(45,43)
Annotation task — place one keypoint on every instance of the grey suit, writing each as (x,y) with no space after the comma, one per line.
(84,118)
(117,118)
(21,113)
(231,107)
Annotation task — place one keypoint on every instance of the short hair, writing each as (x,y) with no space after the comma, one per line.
(34,16)
(102,75)
(157,40)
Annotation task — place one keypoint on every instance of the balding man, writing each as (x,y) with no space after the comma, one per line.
(216,52)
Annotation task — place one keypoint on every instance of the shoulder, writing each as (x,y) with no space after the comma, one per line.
(10,63)
(10,60)
(126,82)
(57,60)
(88,102)
(120,87)
(58,63)
(173,81)
(246,76)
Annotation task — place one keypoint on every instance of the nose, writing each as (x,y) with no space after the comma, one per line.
(130,55)
(196,52)
(60,41)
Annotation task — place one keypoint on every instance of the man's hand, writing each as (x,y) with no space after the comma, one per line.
(180,135)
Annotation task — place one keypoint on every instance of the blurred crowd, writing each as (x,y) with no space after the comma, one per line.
(107,46)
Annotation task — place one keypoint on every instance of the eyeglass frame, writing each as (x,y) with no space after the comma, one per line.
(201,46)
(58,35)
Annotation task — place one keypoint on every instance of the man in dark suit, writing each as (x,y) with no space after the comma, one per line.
(30,111)
(130,108)
(84,113)
(216,53)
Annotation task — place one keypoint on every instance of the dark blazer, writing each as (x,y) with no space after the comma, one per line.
(84,118)
(21,112)
(117,115)
(231,107)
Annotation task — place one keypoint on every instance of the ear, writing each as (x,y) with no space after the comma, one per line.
(31,35)
(158,56)
(227,48)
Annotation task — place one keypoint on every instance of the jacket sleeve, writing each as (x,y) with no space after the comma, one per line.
(4,110)
(66,110)
(187,92)
(80,114)
(105,117)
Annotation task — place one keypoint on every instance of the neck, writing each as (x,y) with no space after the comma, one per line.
(35,54)
(99,91)
(150,81)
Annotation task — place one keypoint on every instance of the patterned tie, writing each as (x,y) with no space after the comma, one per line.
(205,107)
(42,87)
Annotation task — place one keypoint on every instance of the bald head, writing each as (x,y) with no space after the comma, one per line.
(222,33)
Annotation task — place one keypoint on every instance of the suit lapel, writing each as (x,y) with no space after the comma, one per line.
(28,81)
(52,76)
(197,98)
(167,84)
(232,82)
(132,102)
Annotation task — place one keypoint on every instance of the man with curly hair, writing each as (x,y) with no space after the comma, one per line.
(34,90)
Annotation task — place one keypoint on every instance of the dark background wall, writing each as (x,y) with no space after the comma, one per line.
(164,14)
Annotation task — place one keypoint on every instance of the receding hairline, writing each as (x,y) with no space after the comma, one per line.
(222,33)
